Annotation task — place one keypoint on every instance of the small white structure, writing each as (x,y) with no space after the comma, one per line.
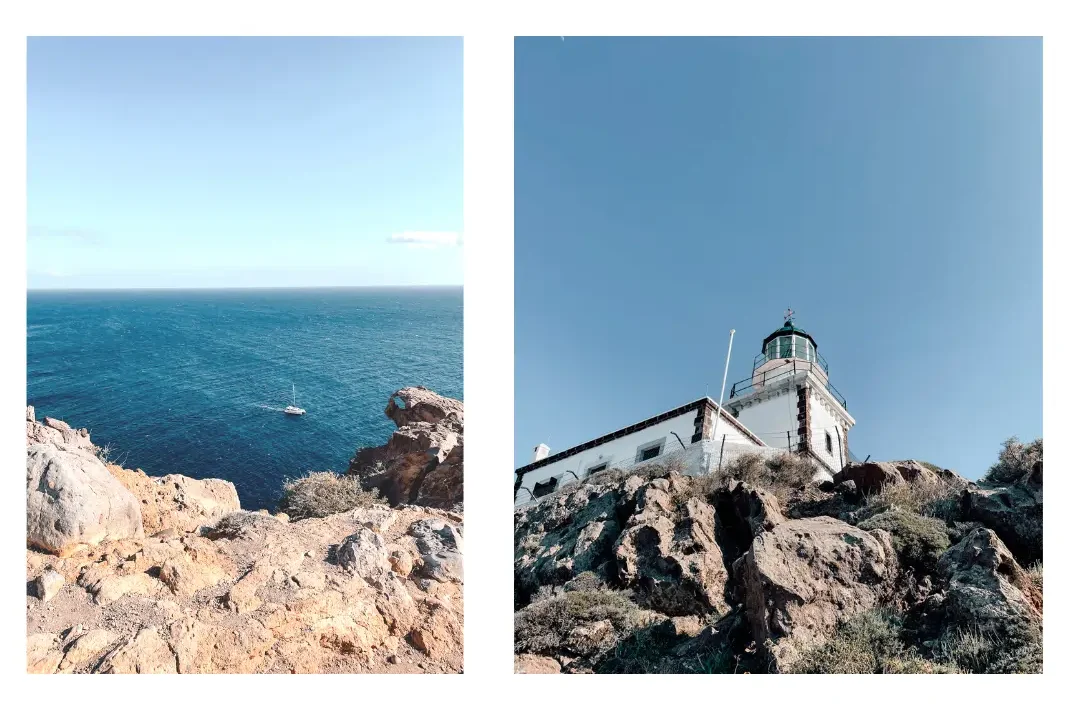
(786,405)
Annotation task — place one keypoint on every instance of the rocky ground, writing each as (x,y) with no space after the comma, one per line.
(128,573)
(890,567)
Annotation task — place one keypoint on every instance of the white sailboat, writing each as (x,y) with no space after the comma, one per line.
(292,409)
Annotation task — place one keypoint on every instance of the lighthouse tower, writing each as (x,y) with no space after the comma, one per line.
(788,400)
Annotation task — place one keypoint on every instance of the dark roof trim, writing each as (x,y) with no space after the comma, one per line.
(787,330)
(655,420)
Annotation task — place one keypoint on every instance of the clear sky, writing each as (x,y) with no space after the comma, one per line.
(887,190)
(232,162)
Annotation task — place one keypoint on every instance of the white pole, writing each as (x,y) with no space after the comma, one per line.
(723,384)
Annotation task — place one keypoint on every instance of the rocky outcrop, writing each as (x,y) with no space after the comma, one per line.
(803,578)
(683,574)
(212,588)
(1012,510)
(422,462)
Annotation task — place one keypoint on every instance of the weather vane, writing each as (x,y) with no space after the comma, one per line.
(788,315)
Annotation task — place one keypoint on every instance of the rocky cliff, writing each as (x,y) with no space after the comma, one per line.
(128,573)
(890,567)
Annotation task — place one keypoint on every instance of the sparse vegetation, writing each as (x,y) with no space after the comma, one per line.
(568,623)
(919,540)
(869,643)
(936,496)
(972,650)
(1015,460)
(1035,573)
(319,494)
(782,475)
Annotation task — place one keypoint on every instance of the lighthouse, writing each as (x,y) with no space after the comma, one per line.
(789,401)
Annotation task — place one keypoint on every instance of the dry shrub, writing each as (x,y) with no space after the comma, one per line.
(659,468)
(1019,650)
(1015,460)
(547,627)
(1035,573)
(319,494)
(869,643)
(934,496)
(782,475)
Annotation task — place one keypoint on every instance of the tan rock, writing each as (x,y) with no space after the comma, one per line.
(112,587)
(146,653)
(527,664)
(87,647)
(47,585)
(42,654)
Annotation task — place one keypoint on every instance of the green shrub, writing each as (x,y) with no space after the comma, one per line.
(545,627)
(919,541)
(1014,460)
(319,494)
(869,643)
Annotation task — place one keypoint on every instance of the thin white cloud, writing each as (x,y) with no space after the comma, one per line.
(422,238)
(47,232)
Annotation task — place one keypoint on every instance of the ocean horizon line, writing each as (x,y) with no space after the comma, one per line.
(246,288)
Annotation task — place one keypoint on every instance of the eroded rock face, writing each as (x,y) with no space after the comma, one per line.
(1012,510)
(422,462)
(176,501)
(668,552)
(72,500)
(804,577)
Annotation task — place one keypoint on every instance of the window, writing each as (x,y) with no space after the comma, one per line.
(541,489)
(648,452)
(785,346)
(595,469)
(828,443)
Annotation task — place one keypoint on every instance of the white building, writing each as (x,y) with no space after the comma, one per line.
(787,404)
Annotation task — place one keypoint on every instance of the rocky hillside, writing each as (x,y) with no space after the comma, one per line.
(888,568)
(128,573)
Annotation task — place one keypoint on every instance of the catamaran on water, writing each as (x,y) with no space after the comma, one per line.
(293,409)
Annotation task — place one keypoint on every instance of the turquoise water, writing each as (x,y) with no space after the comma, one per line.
(194,381)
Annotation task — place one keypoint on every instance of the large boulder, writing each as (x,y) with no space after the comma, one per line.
(1012,510)
(804,577)
(418,404)
(72,500)
(441,550)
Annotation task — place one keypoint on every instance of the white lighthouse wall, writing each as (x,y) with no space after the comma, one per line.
(620,452)
(823,419)
(771,419)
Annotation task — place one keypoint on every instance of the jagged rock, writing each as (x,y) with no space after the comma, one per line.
(1012,510)
(668,552)
(987,588)
(427,444)
(73,500)
(47,585)
(444,487)
(57,433)
(870,477)
(441,547)
(528,664)
(745,512)
(804,577)
(364,553)
(418,404)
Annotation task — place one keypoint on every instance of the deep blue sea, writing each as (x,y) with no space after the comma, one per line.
(194,381)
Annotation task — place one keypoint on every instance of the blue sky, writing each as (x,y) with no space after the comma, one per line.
(888,190)
(232,162)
